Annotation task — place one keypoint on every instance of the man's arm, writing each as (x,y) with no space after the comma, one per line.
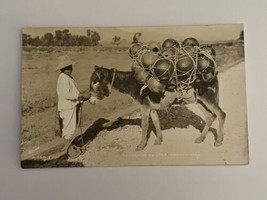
(64,91)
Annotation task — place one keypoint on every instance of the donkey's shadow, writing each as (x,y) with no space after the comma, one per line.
(174,117)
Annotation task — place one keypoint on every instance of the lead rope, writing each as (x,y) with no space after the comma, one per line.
(80,121)
(178,87)
(192,74)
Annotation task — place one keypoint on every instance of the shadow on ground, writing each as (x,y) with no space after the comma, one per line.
(174,117)
(57,162)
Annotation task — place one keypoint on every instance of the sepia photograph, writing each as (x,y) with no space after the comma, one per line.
(133,96)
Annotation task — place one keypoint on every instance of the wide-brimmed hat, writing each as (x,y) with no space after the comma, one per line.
(64,61)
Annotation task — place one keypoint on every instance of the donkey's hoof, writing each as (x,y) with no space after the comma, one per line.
(217,144)
(158,141)
(199,140)
(140,147)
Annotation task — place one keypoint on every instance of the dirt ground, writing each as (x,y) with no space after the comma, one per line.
(116,146)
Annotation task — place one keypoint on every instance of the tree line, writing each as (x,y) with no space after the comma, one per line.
(62,38)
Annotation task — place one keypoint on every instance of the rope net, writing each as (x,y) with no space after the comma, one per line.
(176,67)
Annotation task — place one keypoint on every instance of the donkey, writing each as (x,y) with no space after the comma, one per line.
(207,98)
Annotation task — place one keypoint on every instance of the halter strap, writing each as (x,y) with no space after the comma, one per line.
(113,78)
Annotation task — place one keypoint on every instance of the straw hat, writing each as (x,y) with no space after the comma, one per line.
(64,61)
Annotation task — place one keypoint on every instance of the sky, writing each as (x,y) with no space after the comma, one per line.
(206,32)
(202,33)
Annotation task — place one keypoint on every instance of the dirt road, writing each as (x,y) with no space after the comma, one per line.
(117,147)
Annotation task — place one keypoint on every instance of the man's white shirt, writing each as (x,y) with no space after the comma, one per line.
(67,92)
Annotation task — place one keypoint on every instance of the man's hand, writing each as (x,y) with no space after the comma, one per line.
(84,97)
(81,98)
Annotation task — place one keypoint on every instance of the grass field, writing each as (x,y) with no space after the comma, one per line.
(39,85)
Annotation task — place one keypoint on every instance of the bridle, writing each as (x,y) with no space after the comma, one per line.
(112,80)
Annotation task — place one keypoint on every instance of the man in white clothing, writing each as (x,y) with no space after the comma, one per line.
(68,97)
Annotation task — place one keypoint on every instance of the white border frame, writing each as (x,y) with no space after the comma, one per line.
(210,182)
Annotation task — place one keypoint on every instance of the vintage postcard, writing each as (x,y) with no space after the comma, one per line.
(133,96)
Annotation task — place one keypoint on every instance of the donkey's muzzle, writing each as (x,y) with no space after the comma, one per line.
(93,100)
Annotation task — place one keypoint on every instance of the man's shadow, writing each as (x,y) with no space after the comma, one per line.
(56,162)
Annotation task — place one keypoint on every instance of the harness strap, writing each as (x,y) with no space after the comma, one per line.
(113,78)
(79,123)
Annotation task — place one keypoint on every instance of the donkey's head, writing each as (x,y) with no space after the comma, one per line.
(99,84)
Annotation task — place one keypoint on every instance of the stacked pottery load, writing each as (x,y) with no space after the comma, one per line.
(165,68)
(171,65)
(153,64)
(144,58)
(186,62)
(195,63)
(206,66)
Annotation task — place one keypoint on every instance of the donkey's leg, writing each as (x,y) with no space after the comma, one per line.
(211,104)
(145,110)
(155,120)
(221,117)
(209,119)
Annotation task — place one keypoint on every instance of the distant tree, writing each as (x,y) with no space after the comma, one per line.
(58,38)
(36,41)
(48,39)
(116,40)
(88,31)
(74,40)
(26,39)
(63,38)
(58,35)
(65,33)
(93,37)
(83,41)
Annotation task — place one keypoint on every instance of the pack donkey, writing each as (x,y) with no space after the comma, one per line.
(207,98)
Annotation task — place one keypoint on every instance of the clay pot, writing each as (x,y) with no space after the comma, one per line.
(168,52)
(141,75)
(171,84)
(207,77)
(189,50)
(154,46)
(148,59)
(204,62)
(170,43)
(190,42)
(184,64)
(134,50)
(163,69)
(210,50)
(154,85)
(135,66)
